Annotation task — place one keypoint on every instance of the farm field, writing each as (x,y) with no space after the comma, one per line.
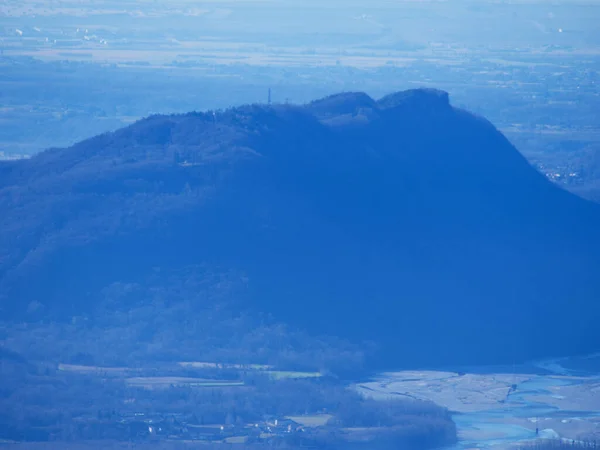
(262,368)
(315,420)
(213,365)
(282,374)
(167,382)
(96,370)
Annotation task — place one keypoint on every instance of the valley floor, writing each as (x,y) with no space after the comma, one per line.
(501,407)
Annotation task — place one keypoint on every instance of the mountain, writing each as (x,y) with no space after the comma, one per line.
(404,222)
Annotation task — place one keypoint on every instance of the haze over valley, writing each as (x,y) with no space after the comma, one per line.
(75,69)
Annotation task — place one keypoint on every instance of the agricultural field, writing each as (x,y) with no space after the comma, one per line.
(151,382)
(213,365)
(167,382)
(97,370)
(315,420)
(282,374)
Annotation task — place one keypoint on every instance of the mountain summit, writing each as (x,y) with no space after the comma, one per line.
(402,221)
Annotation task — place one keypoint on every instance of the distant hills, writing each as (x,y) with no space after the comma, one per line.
(404,222)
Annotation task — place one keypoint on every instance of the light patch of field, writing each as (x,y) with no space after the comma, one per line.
(102,54)
(492,431)
(267,369)
(167,444)
(577,397)
(213,365)
(282,374)
(87,9)
(12,156)
(574,133)
(311,421)
(95,370)
(165,382)
(507,62)
(236,440)
(189,443)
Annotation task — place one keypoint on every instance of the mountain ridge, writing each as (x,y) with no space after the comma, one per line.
(398,220)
